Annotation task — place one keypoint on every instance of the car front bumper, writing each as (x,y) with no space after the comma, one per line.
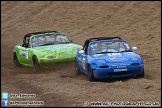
(109,72)
(45,61)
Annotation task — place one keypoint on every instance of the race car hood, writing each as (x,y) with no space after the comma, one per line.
(117,57)
(59,48)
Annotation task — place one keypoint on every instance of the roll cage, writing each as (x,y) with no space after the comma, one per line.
(85,47)
(26,39)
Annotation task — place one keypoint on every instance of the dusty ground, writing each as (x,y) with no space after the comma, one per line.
(137,22)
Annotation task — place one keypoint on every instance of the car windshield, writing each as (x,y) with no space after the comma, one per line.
(109,47)
(49,39)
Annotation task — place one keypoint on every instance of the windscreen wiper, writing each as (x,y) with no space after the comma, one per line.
(126,51)
(65,42)
(46,44)
(105,52)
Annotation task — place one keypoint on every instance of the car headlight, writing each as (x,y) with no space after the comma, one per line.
(93,65)
(45,56)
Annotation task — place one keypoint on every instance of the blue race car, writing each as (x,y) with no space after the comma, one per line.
(108,57)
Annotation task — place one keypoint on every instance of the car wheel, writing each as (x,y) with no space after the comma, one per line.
(36,65)
(141,75)
(90,74)
(15,60)
(77,68)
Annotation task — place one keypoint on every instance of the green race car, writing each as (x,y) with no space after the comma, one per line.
(43,48)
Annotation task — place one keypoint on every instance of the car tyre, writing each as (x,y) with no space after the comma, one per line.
(36,65)
(90,74)
(141,75)
(15,60)
(77,68)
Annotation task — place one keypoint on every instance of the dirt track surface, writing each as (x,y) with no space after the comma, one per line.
(137,22)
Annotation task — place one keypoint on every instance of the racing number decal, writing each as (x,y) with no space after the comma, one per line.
(24,53)
(83,63)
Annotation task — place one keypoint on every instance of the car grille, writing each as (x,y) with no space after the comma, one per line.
(103,66)
(120,73)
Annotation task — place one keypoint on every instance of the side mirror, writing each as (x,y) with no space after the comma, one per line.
(82,52)
(25,45)
(134,48)
(22,43)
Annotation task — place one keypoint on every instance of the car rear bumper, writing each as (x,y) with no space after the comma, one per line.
(109,72)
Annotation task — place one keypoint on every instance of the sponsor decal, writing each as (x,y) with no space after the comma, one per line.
(83,63)
(116,58)
(69,53)
(96,55)
(51,57)
(56,47)
(52,47)
(120,65)
(114,54)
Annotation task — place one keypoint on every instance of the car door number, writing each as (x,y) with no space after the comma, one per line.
(24,53)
